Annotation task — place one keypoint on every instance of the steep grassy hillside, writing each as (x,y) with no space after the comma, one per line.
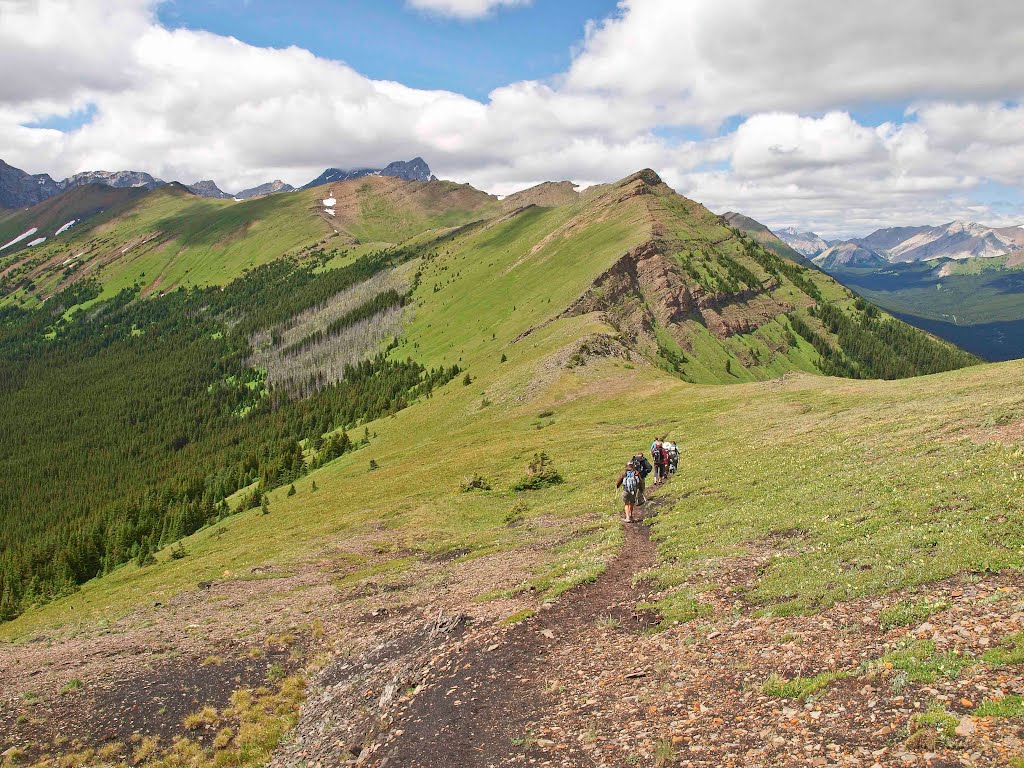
(679,287)
(55,217)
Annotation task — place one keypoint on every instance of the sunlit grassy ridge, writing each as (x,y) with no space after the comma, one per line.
(168,237)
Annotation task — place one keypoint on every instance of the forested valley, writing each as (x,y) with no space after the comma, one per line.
(129,423)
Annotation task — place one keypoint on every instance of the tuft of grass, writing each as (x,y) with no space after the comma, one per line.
(1009,652)
(517,617)
(223,738)
(475,482)
(801,687)
(923,664)
(664,753)
(72,685)
(1008,706)
(608,622)
(148,747)
(678,607)
(212,661)
(202,718)
(908,613)
(932,729)
(275,672)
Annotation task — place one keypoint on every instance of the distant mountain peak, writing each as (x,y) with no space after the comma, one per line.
(269,188)
(208,188)
(410,170)
(807,244)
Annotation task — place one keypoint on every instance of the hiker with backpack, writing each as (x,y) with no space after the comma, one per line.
(659,457)
(642,465)
(673,456)
(632,484)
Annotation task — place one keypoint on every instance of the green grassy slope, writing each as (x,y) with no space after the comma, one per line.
(830,462)
(168,237)
(877,484)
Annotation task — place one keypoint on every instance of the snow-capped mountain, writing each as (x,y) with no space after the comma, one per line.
(806,243)
(410,170)
(956,240)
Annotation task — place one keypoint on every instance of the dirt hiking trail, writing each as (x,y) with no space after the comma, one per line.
(482,707)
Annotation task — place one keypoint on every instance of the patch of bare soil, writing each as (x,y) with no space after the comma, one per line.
(143,673)
(153,699)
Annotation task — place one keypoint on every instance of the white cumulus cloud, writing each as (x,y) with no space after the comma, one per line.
(648,86)
(464,9)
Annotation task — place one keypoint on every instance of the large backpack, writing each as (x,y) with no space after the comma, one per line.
(631,481)
(658,454)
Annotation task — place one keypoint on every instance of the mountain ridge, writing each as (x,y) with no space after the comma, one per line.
(19,189)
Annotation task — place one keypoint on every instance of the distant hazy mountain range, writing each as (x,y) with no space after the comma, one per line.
(19,189)
(962,281)
(957,240)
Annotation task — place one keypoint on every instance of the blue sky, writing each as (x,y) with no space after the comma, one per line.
(388,40)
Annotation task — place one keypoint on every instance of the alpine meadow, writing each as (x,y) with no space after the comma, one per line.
(324,474)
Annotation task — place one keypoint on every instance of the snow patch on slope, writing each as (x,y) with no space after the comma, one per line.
(66,227)
(330,202)
(37,241)
(20,237)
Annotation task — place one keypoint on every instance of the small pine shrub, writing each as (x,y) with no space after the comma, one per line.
(540,473)
(374,465)
(475,483)
(291,489)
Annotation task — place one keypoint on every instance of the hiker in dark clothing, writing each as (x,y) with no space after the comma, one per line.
(642,465)
(632,484)
(659,457)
